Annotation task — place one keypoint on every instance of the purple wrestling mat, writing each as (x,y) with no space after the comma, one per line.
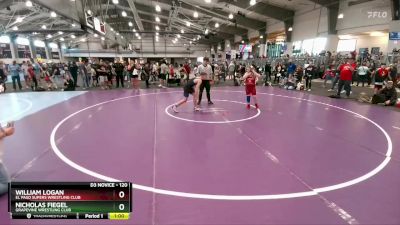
(300,159)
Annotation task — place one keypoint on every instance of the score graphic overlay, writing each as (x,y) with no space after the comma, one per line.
(70,200)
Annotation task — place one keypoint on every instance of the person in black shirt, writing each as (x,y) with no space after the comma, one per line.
(119,70)
(73,69)
(267,71)
(386,96)
(146,73)
(68,83)
(309,75)
(3,77)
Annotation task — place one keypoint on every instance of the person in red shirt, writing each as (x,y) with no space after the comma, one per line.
(380,76)
(346,75)
(32,77)
(250,80)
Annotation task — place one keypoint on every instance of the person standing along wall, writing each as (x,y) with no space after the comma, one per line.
(14,69)
(73,69)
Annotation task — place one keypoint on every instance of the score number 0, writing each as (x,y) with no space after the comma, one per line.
(121,206)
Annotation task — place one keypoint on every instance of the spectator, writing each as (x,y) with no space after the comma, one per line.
(309,75)
(163,74)
(386,96)
(380,76)
(346,74)
(291,68)
(3,78)
(73,69)
(68,83)
(393,72)
(14,69)
(362,72)
(146,73)
(267,72)
(32,77)
(119,70)
(24,71)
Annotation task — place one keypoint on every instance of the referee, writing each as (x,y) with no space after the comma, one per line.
(205,68)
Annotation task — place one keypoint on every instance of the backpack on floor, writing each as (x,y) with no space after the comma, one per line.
(40,89)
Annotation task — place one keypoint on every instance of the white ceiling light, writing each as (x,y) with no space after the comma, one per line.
(73,25)
(102,38)
(206,31)
(44,27)
(261,37)
(242,42)
(230,16)
(14,28)
(117,34)
(122,37)
(207,1)
(95,35)
(157,28)
(253,2)
(194,39)
(157,19)
(73,36)
(53,14)
(134,30)
(124,14)
(182,31)
(89,12)
(187,23)
(156,39)
(179,36)
(28,3)
(49,36)
(195,14)
(115,2)
(61,39)
(227,45)
(340,16)
(83,40)
(60,32)
(157,33)
(112,29)
(136,34)
(190,42)
(19,19)
(158,8)
(130,24)
(376,34)
(139,37)
(176,39)
(216,25)
(290,29)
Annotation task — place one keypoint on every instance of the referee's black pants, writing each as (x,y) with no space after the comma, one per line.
(205,84)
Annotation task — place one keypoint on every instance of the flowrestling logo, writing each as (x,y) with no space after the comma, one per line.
(377,14)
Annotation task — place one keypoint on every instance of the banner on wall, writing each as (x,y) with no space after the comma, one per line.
(24,51)
(41,53)
(394,35)
(5,51)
